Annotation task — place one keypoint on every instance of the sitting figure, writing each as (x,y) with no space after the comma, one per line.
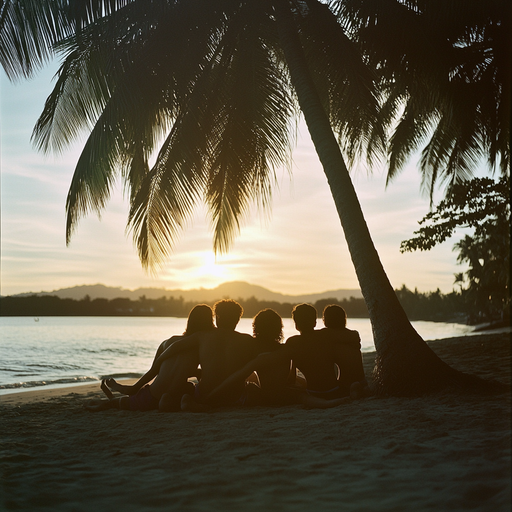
(277,378)
(347,347)
(313,352)
(173,374)
(220,353)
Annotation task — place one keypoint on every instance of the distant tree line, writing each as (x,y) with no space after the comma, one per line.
(433,306)
(484,205)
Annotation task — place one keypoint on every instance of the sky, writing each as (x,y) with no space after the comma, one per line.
(300,248)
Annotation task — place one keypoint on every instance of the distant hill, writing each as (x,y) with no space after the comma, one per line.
(232,290)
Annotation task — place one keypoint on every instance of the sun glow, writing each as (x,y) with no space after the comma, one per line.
(205,270)
(210,268)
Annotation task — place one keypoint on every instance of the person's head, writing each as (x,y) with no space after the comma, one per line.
(200,318)
(227,313)
(334,317)
(304,316)
(267,325)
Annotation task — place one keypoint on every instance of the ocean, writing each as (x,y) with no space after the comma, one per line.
(62,351)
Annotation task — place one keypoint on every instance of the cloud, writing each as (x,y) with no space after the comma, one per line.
(299,248)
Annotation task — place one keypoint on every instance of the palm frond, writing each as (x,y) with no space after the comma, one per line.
(349,94)
(253,127)
(80,94)
(134,102)
(97,61)
(28,29)
(166,197)
(167,194)
(233,133)
(446,62)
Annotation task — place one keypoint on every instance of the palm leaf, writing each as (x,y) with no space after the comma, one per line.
(29,29)
(348,93)
(447,63)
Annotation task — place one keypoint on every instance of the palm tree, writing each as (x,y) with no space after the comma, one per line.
(220,84)
(445,78)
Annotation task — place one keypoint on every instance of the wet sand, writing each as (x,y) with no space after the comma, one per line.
(446,451)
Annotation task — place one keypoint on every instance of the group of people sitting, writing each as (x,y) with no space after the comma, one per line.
(232,368)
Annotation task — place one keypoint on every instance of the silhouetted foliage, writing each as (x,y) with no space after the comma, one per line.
(418,306)
(433,306)
(484,205)
(50,305)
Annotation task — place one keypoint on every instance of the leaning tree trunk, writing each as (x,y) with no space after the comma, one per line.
(405,364)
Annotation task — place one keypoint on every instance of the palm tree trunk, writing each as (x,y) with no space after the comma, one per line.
(404,364)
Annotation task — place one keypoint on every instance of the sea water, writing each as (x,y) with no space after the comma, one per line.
(61,351)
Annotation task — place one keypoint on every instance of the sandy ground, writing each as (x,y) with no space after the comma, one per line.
(444,452)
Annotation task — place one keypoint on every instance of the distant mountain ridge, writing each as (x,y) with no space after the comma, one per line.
(233,290)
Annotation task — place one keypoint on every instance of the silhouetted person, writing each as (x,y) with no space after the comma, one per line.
(220,353)
(312,352)
(173,374)
(199,319)
(277,377)
(347,346)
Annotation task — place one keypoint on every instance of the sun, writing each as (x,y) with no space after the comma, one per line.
(201,269)
(210,268)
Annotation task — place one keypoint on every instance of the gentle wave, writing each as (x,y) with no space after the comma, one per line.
(117,351)
(64,381)
(121,376)
(54,366)
(38,383)
(67,351)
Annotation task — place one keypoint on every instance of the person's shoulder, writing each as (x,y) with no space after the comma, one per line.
(352,333)
(230,336)
(269,346)
(327,334)
(350,337)
(343,331)
(200,337)
(342,335)
(244,336)
(173,339)
(297,344)
(297,338)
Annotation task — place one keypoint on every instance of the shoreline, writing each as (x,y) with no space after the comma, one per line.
(94,359)
(25,395)
(446,451)
(47,392)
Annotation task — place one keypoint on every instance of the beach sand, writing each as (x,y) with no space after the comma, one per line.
(445,452)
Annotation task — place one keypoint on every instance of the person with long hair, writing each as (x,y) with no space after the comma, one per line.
(220,353)
(199,319)
(142,396)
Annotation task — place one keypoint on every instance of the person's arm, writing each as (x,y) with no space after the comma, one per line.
(292,375)
(185,344)
(148,376)
(145,379)
(356,340)
(288,349)
(262,360)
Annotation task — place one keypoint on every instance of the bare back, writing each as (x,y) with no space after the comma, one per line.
(275,376)
(221,353)
(313,354)
(347,353)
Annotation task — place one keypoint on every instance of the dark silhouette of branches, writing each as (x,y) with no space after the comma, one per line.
(433,306)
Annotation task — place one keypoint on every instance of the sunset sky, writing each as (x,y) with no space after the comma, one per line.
(299,249)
